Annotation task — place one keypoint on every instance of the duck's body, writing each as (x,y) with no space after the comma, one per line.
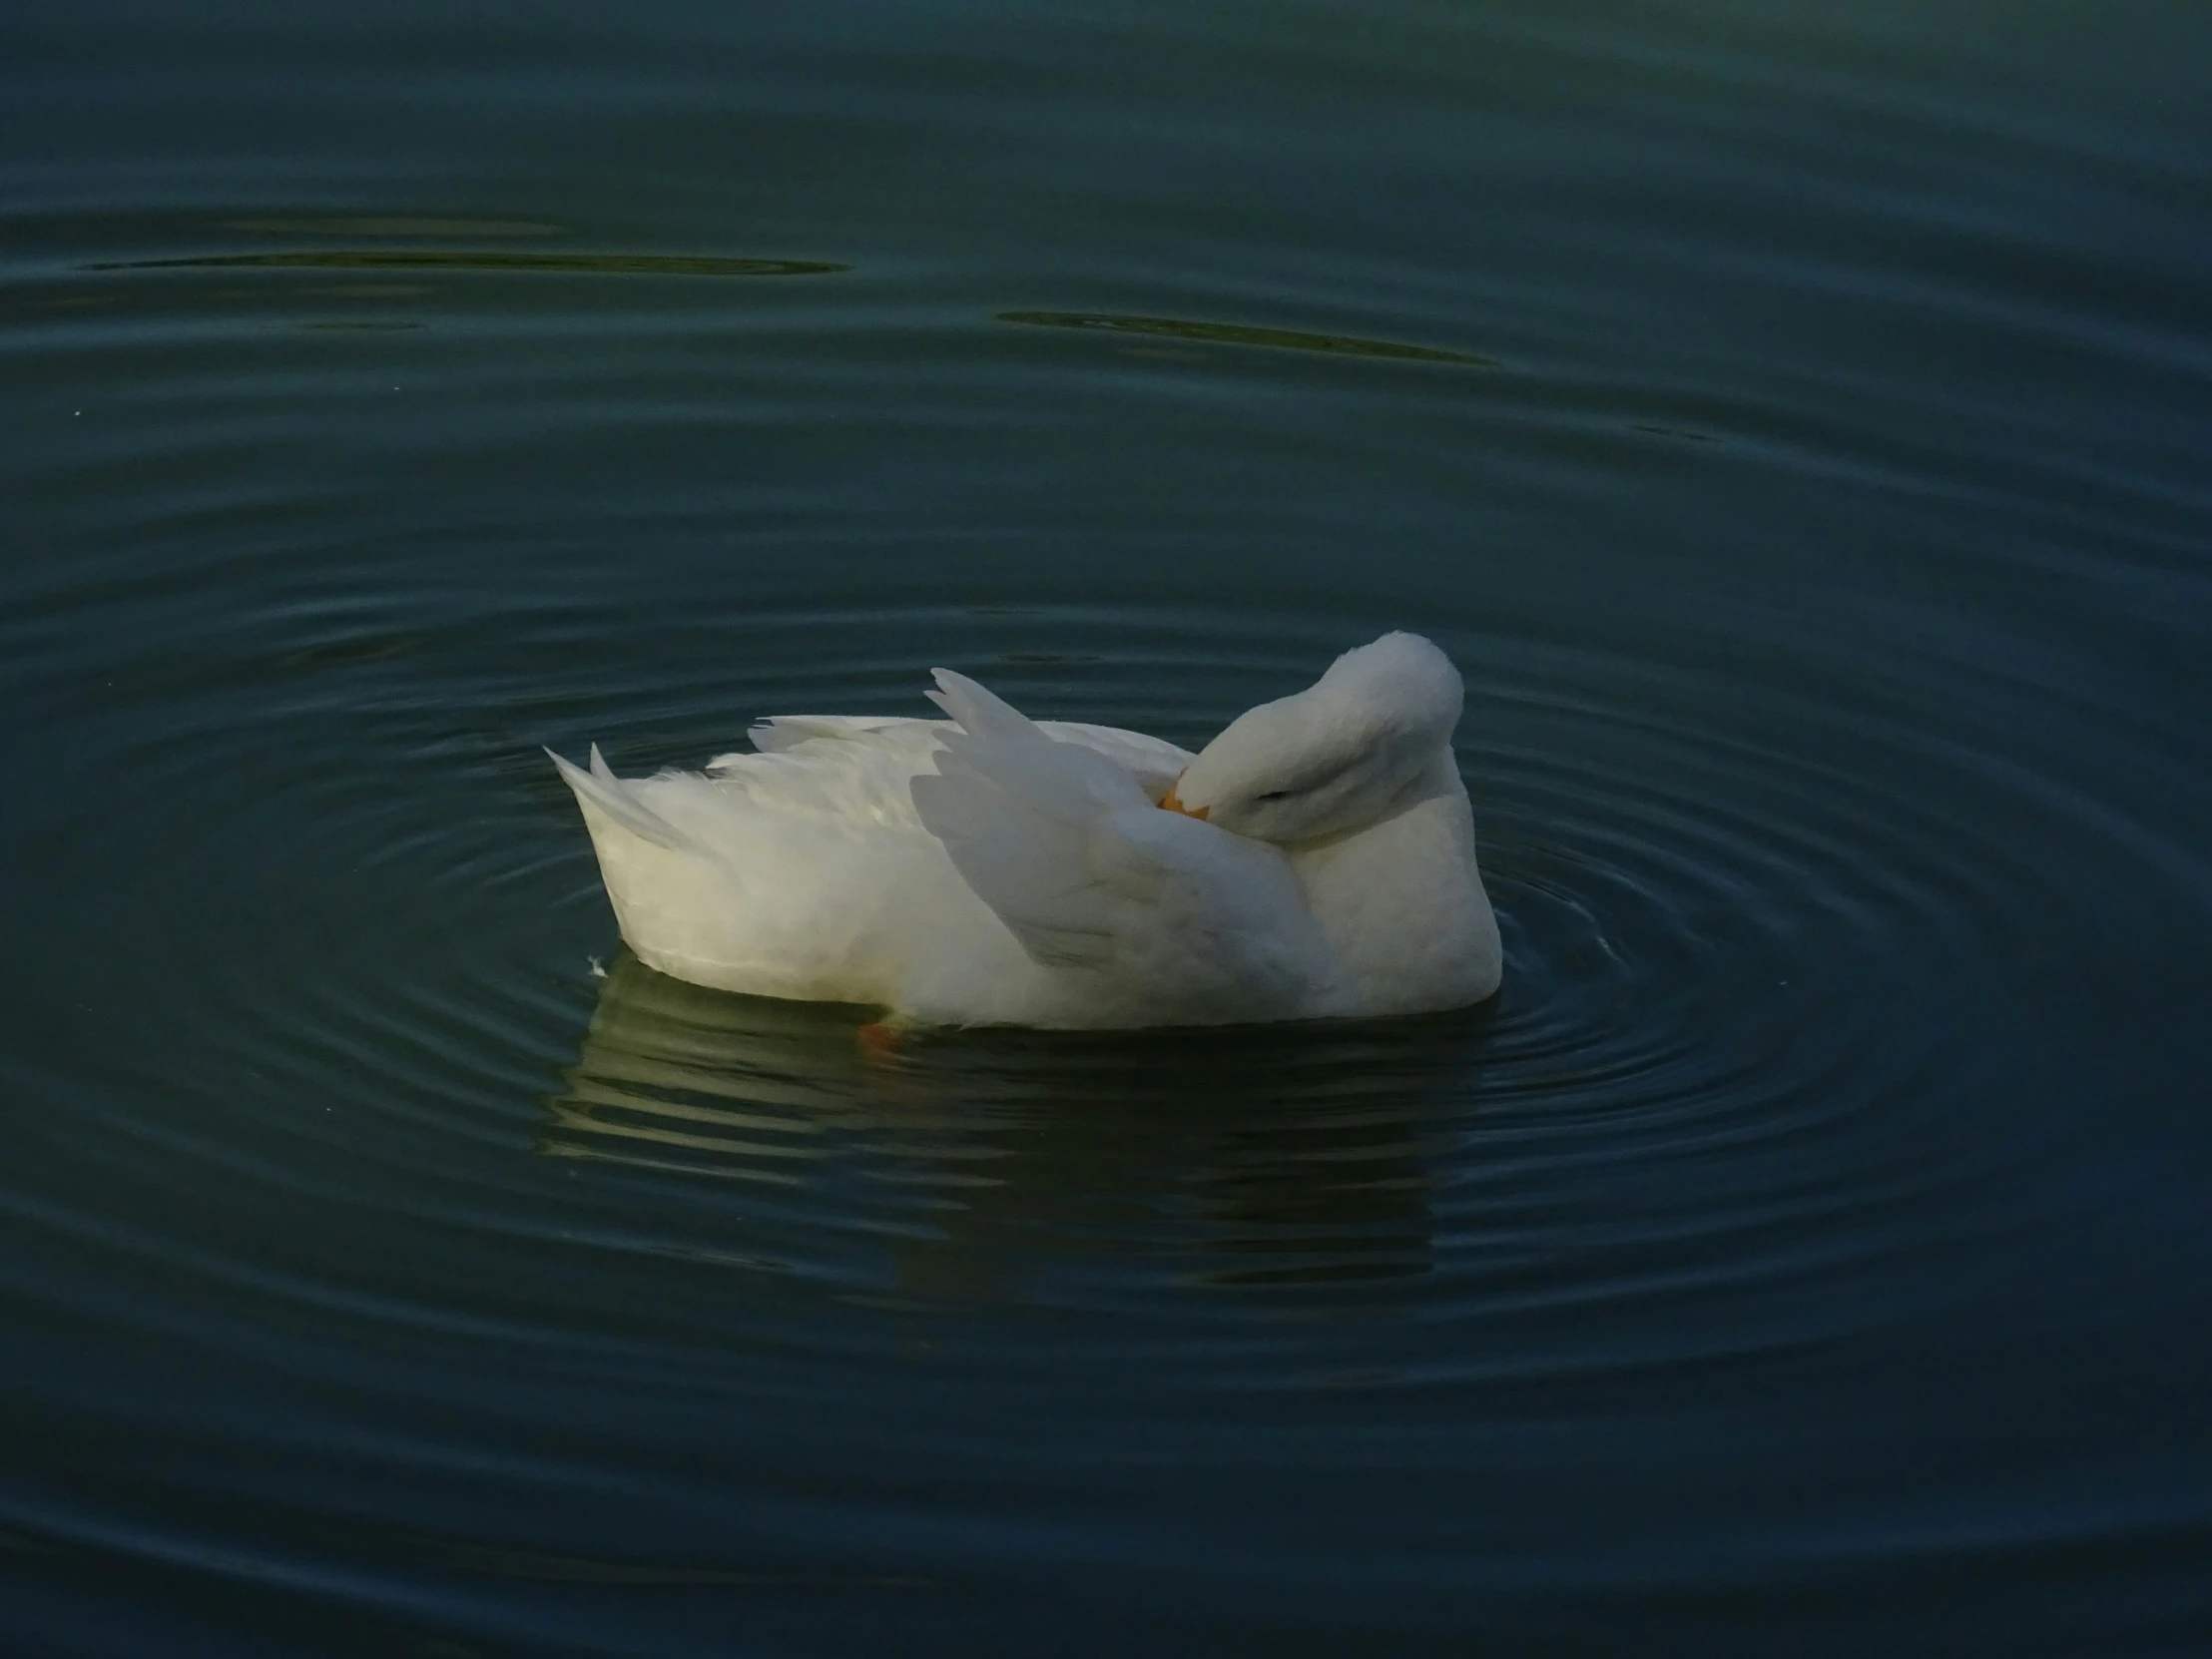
(990,870)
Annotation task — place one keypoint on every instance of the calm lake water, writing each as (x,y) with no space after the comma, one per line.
(1795,420)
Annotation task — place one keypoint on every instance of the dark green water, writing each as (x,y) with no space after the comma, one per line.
(1794,419)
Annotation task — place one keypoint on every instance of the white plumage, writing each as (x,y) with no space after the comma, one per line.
(1317,860)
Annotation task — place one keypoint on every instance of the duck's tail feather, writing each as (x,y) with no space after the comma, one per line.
(1018,812)
(982,713)
(602,790)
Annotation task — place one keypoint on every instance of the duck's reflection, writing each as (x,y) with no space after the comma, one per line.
(1262,1155)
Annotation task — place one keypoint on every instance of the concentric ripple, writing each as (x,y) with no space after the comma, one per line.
(1770,1046)
(1793,427)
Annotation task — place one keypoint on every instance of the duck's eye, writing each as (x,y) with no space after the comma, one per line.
(1276,795)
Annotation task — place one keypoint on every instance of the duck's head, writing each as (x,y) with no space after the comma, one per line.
(1347,751)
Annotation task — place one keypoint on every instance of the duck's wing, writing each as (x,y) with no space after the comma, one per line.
(779,734)
(1065,847)
(849,771)
(1153,761)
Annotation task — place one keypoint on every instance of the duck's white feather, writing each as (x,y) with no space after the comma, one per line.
(1153,761)
(987,868)
(1153,917)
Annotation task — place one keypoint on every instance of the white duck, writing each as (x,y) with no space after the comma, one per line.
(1316,858)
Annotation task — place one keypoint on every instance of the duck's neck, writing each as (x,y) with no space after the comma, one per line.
(1438,781)
(1401,901)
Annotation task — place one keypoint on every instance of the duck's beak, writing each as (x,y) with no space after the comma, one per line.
(1171,804)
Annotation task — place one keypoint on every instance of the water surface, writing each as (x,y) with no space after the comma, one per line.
(1792,419)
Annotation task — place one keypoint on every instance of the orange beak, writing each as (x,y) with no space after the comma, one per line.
(1168,803)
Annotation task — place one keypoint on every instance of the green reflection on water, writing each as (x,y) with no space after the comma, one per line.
(1237,333)
(394,226)
(391,259)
